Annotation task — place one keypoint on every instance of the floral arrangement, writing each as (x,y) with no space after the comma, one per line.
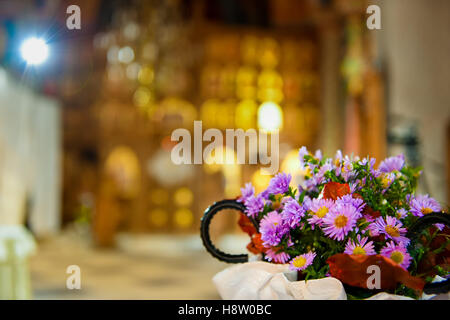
(347,208)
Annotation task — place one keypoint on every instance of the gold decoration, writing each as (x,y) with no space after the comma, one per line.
(122,165)
(158,217)
(183,197)
(142,97)
(183,218)
(159,196)
(249,49)
(146,75)
(173,106)
(209,110)
(269,53)
(245,115)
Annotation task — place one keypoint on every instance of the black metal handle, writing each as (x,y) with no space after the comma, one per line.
(204,231)
(414,233)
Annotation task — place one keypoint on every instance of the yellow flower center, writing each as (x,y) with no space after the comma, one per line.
(299,262)
(392,231)
(277,203)
(347,168)
(426,210)
(359,250)
(322,212)
(385,181)
(397,256)
(340,221)
(308,173)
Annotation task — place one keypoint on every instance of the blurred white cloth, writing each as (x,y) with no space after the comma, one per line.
(30,157)
(258,280)
(261,280)
(16,245)
(15,240)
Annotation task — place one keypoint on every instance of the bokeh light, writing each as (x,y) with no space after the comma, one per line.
(270,116)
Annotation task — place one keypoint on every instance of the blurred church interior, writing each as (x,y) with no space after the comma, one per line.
(85,138)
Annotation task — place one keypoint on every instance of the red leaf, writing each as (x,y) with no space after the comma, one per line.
(357,196)
(246,225)
(334,190)
(369,211)
(256,244)
(352,270)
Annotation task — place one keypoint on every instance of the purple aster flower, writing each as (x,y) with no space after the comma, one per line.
(264,194)
(401,213)
(318,178)
(364,161)
(319,208)
(368,218)
(347,169)
(371,165)
(423,204)
(354,186)
(397,253)
(337,162)
(292,212)
(306,202)
(254,205)
(279,183)
(392,228)
(272,229)
(340,221)
(376,173)
(318,155)
(360,246)
(300,190)
(310,184)
(348,199)
(302,152)
(276,256)
(246,192)
(392,164)
(289,241)
(409,197)
(373,228)
(387,179)
(302,262)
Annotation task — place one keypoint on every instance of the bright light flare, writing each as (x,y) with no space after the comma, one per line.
(270,117)
(34,51)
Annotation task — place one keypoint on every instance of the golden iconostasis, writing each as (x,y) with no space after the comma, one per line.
(164,73)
